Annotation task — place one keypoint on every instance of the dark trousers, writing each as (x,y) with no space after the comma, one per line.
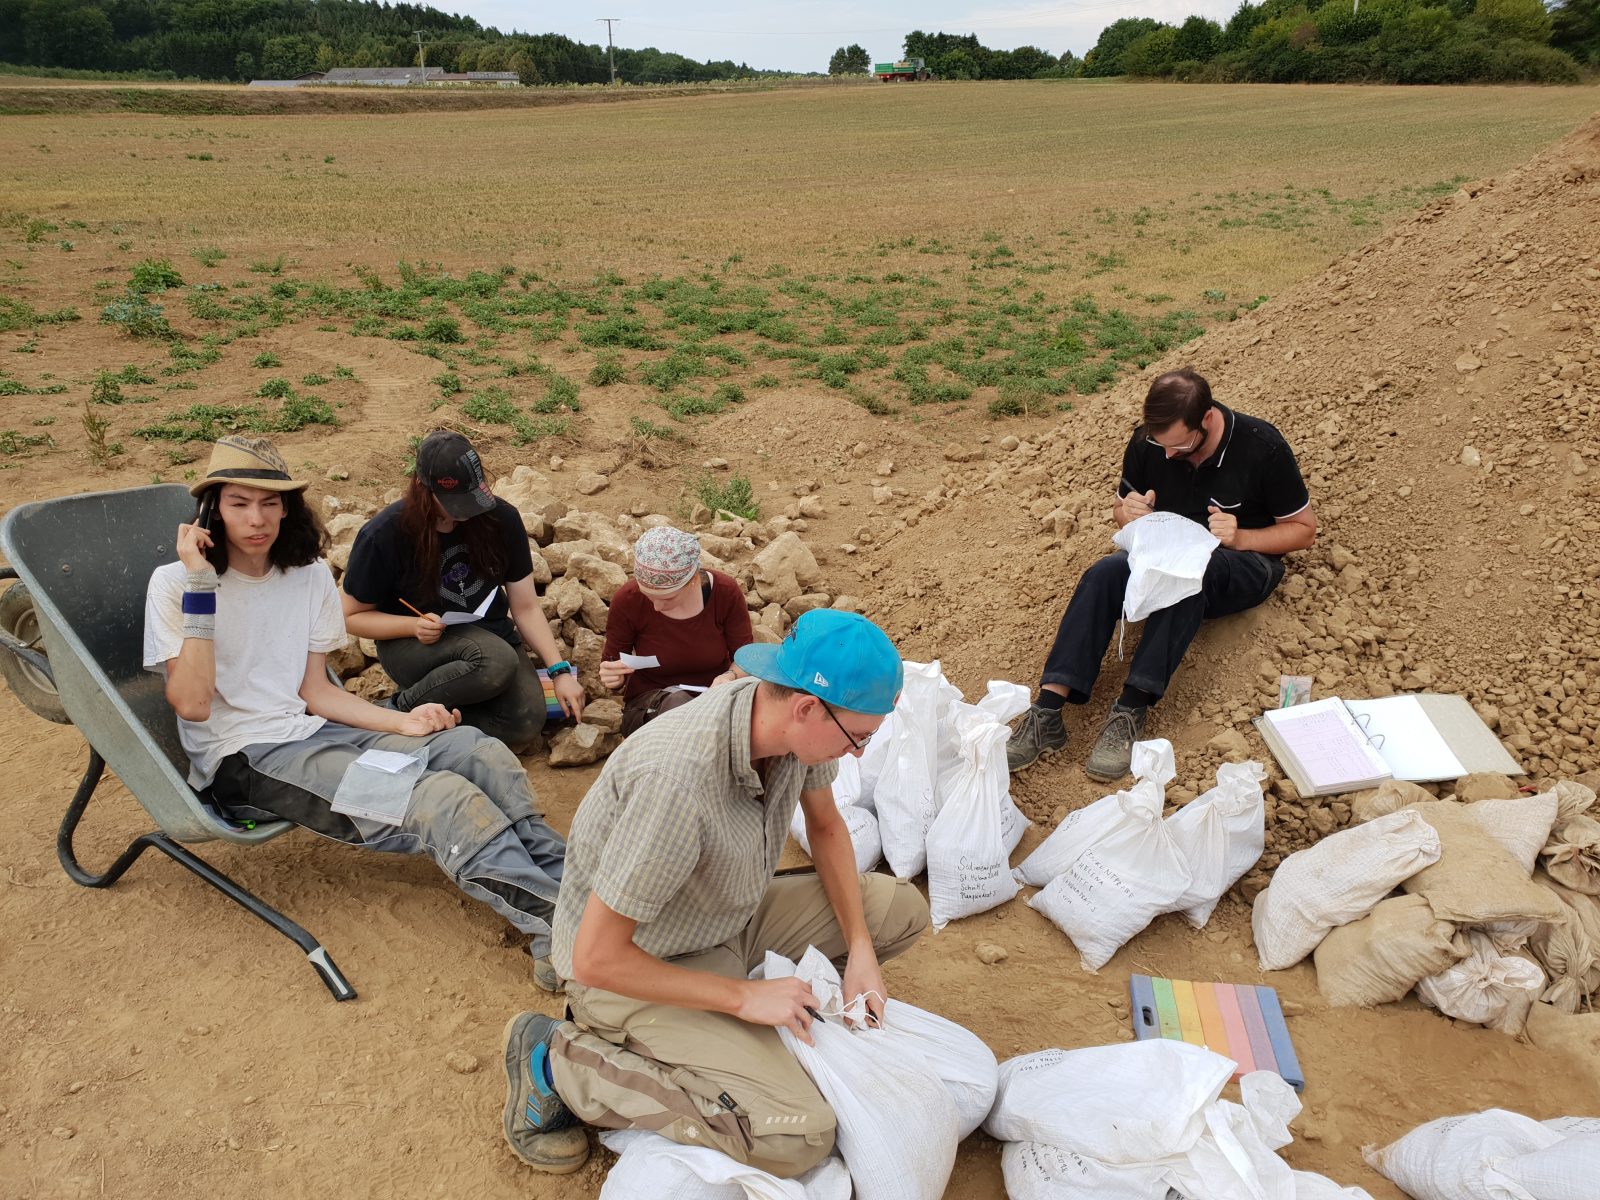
(647,706)
(1235,580)
(492,682)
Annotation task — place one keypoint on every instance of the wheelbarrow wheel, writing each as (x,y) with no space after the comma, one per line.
(31,686)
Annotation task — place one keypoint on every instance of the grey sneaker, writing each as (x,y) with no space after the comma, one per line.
(539,1128)
(1039,732)
(544,973)
(1113,752)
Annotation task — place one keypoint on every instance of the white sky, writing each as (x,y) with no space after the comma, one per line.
(799,35)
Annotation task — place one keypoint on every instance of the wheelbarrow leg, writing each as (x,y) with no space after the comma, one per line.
(318,957)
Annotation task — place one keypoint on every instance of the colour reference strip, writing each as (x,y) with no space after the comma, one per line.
(552,706)
(1239,1021)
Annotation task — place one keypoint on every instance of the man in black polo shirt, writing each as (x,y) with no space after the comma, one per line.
(1232,473)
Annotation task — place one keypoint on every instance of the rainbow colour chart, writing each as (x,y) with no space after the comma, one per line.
(1240,1021)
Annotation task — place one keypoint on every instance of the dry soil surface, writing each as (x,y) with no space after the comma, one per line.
(1440,389)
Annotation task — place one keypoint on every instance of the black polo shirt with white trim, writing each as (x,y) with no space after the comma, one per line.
(1252,475)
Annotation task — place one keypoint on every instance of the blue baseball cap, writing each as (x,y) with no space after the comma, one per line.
(837,656)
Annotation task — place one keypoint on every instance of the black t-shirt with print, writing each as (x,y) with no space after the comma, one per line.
(1252,475)
(381,569)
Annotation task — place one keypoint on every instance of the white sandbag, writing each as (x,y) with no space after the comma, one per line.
(968,864)
(1457,1158)
(863,826)
(1486,987)
(1569,1170)
(1311,1186)
(1002,702)
(1120,882)
(1134,1102)
(847,783)
(1005,702)
(874,757)
(1569,1126)
(1167,557)
(896,1121)
(1221,835)
(1013,824)
(1236,1157)
(959,1057)
(652,1168)
(1336,881)
(1037,1171)
(1152,768)
(1521,826)
(905,792)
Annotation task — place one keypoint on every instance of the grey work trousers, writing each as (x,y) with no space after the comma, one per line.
(472,812)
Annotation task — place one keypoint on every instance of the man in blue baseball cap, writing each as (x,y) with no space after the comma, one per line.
(669,901)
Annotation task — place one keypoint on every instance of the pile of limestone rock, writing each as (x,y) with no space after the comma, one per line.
(580,559)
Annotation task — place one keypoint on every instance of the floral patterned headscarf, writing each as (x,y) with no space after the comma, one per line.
(664,558)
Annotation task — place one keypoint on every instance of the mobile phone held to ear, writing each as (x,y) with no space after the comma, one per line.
(207,509)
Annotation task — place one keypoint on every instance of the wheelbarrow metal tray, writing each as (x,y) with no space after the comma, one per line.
(87,561)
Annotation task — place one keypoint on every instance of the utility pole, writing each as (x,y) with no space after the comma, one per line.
(611,53)
(422,55)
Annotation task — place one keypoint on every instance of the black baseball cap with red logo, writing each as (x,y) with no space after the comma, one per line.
(449,467)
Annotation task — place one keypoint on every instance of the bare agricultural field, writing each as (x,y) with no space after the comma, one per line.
(638,288)
(982,249)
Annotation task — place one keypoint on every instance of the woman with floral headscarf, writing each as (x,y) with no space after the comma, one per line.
(690,620)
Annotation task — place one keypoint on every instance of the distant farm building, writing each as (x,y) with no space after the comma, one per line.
(396,77)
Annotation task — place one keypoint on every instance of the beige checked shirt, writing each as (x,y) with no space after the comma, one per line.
(678,832)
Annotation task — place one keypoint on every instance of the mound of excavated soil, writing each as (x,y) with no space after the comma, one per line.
(1440,390)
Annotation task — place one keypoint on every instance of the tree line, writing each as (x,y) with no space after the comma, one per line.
(1273,41)
(1302,41)
(1360,41)
(279,39)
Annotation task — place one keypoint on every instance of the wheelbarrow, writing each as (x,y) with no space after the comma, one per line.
(71,642)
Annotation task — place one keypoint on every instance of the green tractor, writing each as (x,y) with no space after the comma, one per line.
(906,70)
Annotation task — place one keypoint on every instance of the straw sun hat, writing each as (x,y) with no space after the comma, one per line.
(251,461)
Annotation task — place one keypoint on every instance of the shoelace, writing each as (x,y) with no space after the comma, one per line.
(1123,722)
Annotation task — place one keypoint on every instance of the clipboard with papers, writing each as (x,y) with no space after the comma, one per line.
(1332,746)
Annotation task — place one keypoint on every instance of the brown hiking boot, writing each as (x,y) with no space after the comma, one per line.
(1113,751)
(1040,731)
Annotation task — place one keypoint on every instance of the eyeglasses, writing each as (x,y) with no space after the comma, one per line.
(1194,444)
(848,736)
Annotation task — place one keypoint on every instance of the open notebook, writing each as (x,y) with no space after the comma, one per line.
(1335,745)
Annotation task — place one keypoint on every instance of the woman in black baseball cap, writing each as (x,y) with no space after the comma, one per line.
(442,581)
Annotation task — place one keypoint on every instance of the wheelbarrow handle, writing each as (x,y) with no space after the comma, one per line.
(27,654)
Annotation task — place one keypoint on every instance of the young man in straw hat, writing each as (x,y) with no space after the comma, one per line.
(241,627)
(670,901)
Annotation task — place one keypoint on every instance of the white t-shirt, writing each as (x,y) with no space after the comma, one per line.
(265,629)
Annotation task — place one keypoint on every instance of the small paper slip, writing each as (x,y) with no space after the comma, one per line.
(391,762)
(461,618)
(639,662)
(377,786)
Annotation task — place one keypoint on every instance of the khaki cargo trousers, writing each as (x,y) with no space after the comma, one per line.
(709,1079)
